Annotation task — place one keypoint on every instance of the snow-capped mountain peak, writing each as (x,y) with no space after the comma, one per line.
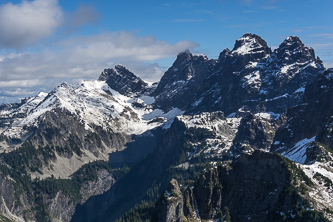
(250,44)
(203,111)
(94,104)
(292,49)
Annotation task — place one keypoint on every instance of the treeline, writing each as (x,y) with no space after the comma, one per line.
(27,157)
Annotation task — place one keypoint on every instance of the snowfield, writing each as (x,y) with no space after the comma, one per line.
(298,152)
(320,173)
(95,103)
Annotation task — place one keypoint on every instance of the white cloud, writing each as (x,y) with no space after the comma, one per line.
(15,92)
(328,64)
(326,35)
(187,20)
(80,58)
(321,46)
(23,24)
(122,45)
(20,83)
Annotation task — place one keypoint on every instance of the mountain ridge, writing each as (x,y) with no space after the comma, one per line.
(202,111)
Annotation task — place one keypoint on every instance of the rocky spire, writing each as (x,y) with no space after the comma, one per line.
(170,205)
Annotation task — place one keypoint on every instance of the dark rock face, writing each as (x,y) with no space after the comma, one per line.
(63,129)
(312,118)
(295,66)
(182,81)
(190,206)
(56,127)
(208,194)
(122,80)
(254,185)
(257,187)
(253,133)
(249,188)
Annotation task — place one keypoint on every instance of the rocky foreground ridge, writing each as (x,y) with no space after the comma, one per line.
(245,137)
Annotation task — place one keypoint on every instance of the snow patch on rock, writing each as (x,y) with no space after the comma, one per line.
(298,152)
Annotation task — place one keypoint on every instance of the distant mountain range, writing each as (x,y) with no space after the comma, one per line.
(245,137)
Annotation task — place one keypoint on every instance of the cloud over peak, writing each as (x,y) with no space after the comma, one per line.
(79,57)
(122,45)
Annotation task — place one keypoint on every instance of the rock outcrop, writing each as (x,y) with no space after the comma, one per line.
(123,81)
(258,187)
(170,206)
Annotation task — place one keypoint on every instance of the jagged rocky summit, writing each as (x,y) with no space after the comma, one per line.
(255,123)
(250,75)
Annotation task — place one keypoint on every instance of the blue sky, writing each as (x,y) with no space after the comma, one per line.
(46,42)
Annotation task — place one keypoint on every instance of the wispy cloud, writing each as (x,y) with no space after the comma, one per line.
(121,45)
(207,12)
(326,35)
(20,83)
(295,30)
(328,64)
(14,93)
(321,46)
(250,11)
(247,2)
(325,50)
(188,20)
(270,4)
(268,7)
(237,26)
